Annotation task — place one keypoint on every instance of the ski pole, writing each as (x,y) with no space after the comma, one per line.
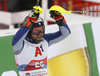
(62,10)
(38,2)
(37,8)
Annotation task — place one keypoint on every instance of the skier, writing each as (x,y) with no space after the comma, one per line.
(30,43)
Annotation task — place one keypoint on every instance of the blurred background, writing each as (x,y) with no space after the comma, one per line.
(12,12)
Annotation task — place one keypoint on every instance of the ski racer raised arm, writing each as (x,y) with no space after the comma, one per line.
(30,43)
(64,30)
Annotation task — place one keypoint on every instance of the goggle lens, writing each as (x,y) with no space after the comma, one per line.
(37,30)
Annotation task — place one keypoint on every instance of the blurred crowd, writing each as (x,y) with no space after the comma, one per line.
(17,5)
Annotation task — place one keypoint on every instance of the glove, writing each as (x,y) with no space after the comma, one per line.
(30,19)
(60,20)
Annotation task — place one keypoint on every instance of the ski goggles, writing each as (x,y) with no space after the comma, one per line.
(38,30)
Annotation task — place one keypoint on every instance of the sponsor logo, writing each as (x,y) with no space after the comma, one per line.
(27,74)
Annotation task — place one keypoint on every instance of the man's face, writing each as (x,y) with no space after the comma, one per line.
(37,34)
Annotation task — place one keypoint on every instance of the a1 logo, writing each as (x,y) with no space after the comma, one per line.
(38,51)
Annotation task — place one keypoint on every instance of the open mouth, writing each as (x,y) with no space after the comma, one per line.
(39,37)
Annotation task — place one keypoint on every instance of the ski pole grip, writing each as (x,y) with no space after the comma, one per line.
(38,9)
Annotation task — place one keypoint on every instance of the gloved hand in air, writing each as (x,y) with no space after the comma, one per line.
(60,20)
(32,17)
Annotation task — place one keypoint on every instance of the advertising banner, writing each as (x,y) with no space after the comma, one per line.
(77,55)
